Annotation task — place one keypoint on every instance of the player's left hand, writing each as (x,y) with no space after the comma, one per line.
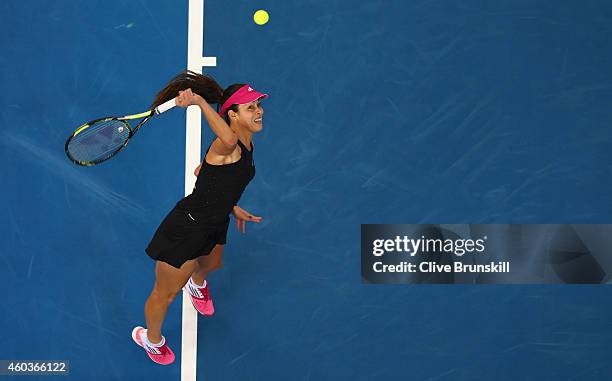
(242,216)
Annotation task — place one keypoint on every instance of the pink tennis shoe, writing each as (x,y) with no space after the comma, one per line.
(161,354)
(200,298)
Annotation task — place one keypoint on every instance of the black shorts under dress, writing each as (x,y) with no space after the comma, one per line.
(200,221)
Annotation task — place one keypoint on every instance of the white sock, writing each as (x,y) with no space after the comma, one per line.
(197,285)
(146,340)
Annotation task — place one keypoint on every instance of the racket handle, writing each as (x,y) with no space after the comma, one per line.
(166,106)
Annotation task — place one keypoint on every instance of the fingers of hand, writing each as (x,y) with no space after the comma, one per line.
(187,93)
(253,218)
(243,219)
(181,99)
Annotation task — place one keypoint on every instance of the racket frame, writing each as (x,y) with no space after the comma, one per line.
(132,131)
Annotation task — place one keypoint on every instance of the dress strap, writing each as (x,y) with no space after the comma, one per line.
(243,147)
(239,143)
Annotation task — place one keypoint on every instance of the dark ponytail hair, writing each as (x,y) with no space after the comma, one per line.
(200,84)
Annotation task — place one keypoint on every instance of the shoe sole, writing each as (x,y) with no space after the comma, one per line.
(135,336)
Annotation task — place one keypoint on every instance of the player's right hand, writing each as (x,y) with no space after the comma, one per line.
(188,98)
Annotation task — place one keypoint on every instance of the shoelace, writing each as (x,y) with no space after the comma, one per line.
(152,349)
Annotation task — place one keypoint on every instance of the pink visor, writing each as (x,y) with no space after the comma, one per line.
(243,95)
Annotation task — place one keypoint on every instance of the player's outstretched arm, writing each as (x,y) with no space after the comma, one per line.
(220,128)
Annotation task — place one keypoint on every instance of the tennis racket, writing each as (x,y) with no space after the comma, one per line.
(101,139)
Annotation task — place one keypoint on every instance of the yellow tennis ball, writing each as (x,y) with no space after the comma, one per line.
(261,17)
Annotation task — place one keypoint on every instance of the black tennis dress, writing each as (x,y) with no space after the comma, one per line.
(199,221)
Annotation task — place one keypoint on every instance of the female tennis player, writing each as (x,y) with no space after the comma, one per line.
(189,242)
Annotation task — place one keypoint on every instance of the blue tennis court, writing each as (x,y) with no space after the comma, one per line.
(379,113)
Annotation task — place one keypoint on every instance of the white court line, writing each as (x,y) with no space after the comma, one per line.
(195,61)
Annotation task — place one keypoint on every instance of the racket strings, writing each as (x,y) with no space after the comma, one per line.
(99,141)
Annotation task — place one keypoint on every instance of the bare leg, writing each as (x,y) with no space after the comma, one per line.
(208,263)
(168,283)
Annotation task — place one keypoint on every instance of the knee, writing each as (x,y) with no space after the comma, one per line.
(216,265)
(166,296)
(213,265)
